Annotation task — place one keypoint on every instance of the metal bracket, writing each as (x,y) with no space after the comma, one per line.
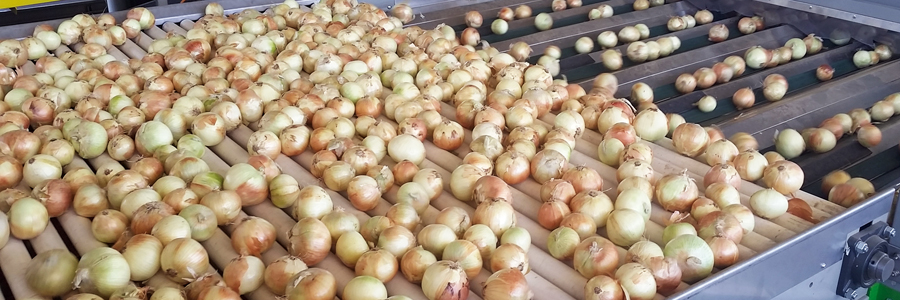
(869,258)
(894,214)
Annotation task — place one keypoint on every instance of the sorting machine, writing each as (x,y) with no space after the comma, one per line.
(848,251)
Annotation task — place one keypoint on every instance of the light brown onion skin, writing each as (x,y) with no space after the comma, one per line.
(846,195)
(725,173)
(725,251)
(801,209)
(666,272)
(690,139)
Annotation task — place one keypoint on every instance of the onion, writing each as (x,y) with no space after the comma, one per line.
(768,203)
(607,39)
(685,83)
(252,236)
(637,281)
(884,52)
(312,283)
(694,256)
(743,98)
(638,52)
(225,204)
(584,45)
(499,26)
(625,227)
(801,209)
(507,284)
(403,12)
(595,256)
(543,21)
(846,195)
(868,135)
(202,221)
(676,192)
(775,91)
(718,33)
(676,24)
(747,25)
(642,252)
(279,272)
(142,254)
(690,139)
(789,143)
(445,280)
(546,165)
(474,19)
(310,240)
(50,273)
(862,59)
(881,111)
(364,287)
(784,176)
(834,178)
(750,164)
(244,274)
(101,271)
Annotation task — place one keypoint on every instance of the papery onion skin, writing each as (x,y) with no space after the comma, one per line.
(51,273)
(445,280)
(693,255)
(507,284)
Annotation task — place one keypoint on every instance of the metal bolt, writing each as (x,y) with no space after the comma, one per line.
(890,231)
(822,265)
(853,295)
(862,247)
(854,16)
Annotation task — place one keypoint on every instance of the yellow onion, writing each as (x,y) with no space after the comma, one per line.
(50,273)
(202,221)
(183,258)
(676,192)
(509,256)
(562,242)
(108,225)
(280,271)
(445,280)
(415,262)
(507,284)
(637,281)
(603,287)
(595,256)
(377,263)
(466,254)
(310,240)
(784,176)
(142,254)
(694,257)
(248,182)
(625,227)
(349,247)
(27,218)
(312,283)
(244,274)
(690,139)
(252,236)
(102,271)
(364,287)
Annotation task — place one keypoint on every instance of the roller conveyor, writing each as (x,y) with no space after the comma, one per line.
(776,243)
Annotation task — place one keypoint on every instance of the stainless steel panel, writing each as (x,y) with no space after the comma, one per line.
(883,14)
